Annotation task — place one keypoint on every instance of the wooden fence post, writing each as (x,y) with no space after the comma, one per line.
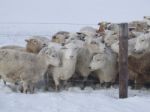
(123,61)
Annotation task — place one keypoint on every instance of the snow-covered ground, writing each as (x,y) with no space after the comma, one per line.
(73,100)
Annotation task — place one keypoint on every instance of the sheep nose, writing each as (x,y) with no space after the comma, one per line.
(134,50)
(89,67)
(62,44)
(44,45)
(71,56)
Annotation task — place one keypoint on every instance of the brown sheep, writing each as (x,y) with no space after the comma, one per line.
(141,66)
(36,43)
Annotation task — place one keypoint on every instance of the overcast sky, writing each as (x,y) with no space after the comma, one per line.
(73,11)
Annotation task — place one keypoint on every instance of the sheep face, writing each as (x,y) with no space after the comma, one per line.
(142,43)
(111,38)
(71,37)
(34,46)
(60,37)
(51,55)
(70,51)
(96,47)
(97,62)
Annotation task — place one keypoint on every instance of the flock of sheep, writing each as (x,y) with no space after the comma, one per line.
(77,55)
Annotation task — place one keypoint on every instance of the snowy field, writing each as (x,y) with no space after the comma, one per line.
(73,100)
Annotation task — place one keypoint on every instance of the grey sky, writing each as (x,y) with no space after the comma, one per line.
(73,11)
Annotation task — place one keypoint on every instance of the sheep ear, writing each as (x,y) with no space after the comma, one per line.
(27,40)
(79,33)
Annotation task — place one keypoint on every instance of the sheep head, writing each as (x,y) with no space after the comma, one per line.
(51,55)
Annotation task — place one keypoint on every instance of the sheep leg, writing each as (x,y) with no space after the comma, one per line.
(31,88)
(101,82)
(139,82)
(84,83)
(107,84)
(65,85)
(46,81)
(56,84)
(25,87)
(4,82)
(20,88)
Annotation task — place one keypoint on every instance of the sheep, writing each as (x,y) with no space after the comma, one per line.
(113,27)
(104,65)
(110,37)
(91,32)
(140,26)
(26,68)
(85,54)
(88,29)
(36,43)
(19,48)
(102,27)
(60,37)
(142,43)
(68,56)
(147,20)
(131,44)
(75,36)
(140,65)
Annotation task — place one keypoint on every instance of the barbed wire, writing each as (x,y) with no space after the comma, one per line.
(24,35)
(48,23)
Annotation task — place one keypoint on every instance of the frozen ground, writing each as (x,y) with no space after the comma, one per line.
(73,100)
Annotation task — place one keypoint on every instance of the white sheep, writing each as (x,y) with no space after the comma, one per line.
(88,29)
(60,37)
(85,56)
(147,19)
(113,27)
(139,26)
(142,43)
(131,44)
(104,65)
(26,68)
(68,54)
(110,37)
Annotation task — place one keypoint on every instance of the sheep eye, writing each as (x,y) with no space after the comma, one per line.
(93,42)
(66,37)
(53,55)
(44,45)
(142,40)
(34,42)
(98,59)
(54,37)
